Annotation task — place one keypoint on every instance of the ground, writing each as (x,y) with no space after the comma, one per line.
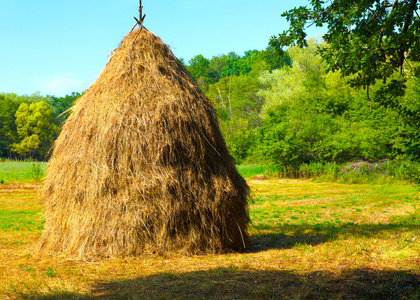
(311,241)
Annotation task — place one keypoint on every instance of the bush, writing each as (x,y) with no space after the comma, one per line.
(383,172)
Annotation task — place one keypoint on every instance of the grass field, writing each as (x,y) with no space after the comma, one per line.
(15,171)
(311,241)
(248,171)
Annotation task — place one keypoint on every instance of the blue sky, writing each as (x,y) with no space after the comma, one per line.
(56,47)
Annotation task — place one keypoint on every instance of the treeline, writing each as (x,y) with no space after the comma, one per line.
(30,124)
(293,111)
(287,112)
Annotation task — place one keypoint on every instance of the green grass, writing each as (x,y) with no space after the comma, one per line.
(252,170)
(311,241)
(19,220)
(324,211)
(13,171)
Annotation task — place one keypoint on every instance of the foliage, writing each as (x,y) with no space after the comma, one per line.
(311,114)
(29,124)
(198,67)
(35,129)
(302,112)
(8,131)
(384,172)
(369,38)
(367,41)
(209,71)
(406,138)
(235,97)
(239,138)
(61,106)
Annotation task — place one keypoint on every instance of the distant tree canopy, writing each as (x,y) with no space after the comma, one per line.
(311,114)
(232,82)
(8,130)
(208,71)
(367,40)
(30,124)
(296,109)
(35,130)
(286,111)
(61,106)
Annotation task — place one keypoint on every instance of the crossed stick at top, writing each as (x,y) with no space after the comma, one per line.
(140,20)
(140,23)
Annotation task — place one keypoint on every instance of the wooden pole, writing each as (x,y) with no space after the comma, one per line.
(140,10)
(140,20)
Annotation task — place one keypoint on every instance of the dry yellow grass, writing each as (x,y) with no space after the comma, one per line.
(300,258)
(140,165)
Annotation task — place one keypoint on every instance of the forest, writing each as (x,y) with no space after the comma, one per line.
(352,96)
(30,124)
(284,111)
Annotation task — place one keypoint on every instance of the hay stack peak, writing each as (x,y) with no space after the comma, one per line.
(140,165)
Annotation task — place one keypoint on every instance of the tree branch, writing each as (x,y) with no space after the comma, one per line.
(322,13)
(392,10)
(412,6)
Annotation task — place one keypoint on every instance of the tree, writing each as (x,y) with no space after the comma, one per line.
(35,129)
(271,56)
(8,133)
(238,104)
(312,115)
(406,142)
(234,65)
(370,39)
(217,63)
(198,66)
(236,96)
(289,83)
(60,106)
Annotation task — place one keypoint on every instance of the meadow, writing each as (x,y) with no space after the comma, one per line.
(311,240)
(21,171)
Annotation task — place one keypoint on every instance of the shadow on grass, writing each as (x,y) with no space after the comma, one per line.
(228,283)
(289,236)
(233,283)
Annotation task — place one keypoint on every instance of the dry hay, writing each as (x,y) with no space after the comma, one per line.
(141,166)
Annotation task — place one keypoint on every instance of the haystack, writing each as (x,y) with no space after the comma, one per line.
(141,166)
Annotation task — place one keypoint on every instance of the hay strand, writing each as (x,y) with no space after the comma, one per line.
(141,166)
